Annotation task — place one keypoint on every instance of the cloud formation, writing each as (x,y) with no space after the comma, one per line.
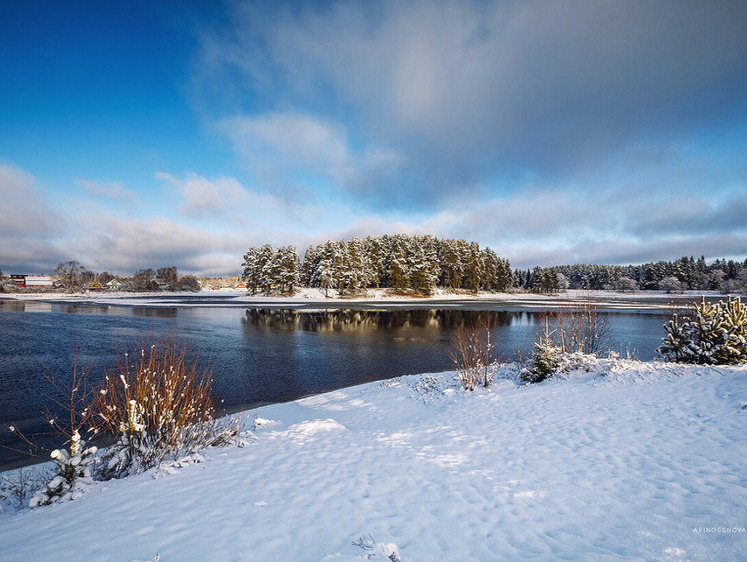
(29,227)
(284,150)
(112,190)
(553,132)
(464,91)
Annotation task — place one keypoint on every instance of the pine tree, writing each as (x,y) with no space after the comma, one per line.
(356,267)
(421,276)
(287,267)
(73,473)
(324,273)
(398,274)
(270,276)
(251,271)
(490,266)
(451,265)
(473,276)
(339,265)
(310,260)
(712,334)
(374,249)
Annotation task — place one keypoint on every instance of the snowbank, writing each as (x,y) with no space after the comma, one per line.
(628,461)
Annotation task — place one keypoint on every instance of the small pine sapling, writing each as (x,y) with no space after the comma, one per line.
(545,362)
(73,475)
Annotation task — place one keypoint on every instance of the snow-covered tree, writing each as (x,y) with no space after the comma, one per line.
(73,475)
(265,267)
(710,334)
(421,275)
(287,274)
(255,261)
(374,248)
(473,273)
(310,261)
(671,285)
(355,271)
(324,272)
(398,274)
(625,284)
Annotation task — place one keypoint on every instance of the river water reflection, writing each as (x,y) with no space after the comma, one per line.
(259,355)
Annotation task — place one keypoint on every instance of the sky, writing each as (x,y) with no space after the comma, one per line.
(148,134)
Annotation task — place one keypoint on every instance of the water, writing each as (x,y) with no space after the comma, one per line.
(257,356)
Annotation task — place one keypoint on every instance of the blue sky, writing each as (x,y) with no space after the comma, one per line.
(141,134)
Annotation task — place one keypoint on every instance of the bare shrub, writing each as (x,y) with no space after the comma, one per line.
(471,353)
(576,326)
(160,405)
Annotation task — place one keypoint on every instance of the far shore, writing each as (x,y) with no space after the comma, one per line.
(378,298)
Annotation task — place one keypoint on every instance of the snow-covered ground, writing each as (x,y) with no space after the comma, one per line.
(643,300)
(642,461)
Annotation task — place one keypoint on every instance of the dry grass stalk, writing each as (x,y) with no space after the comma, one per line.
(576,326)
(471,353)
(71,397)
(159,401)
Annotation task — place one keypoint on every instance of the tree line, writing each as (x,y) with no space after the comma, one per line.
(73,276)
(682,274)
(400,262)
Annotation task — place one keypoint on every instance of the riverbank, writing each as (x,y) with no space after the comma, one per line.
(382,298)
(627,460)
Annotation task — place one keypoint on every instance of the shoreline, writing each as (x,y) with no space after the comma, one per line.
(378,298)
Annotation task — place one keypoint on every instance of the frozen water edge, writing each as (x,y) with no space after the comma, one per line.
(626,461)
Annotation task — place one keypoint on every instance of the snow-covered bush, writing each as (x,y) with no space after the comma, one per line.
(159,405)
(549,360)
(73,475)
(714,334)
(18,486)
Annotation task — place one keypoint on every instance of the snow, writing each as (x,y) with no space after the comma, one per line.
(643,300)
(627,460)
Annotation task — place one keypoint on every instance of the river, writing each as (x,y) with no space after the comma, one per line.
(262,355)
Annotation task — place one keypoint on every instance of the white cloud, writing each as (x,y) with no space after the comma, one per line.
(22,207)
(29,227)
(457,91)
(203,197)
(113,190)
(280,148)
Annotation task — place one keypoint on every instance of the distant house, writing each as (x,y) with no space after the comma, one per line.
(113,285)
(32,281)
(241,286)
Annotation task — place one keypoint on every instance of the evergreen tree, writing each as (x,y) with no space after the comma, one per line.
(356,270)
(420,272)
(310,261)
(266,269)
(398,274)
(287,267)
(324,273)
(374,249)
(473,274)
